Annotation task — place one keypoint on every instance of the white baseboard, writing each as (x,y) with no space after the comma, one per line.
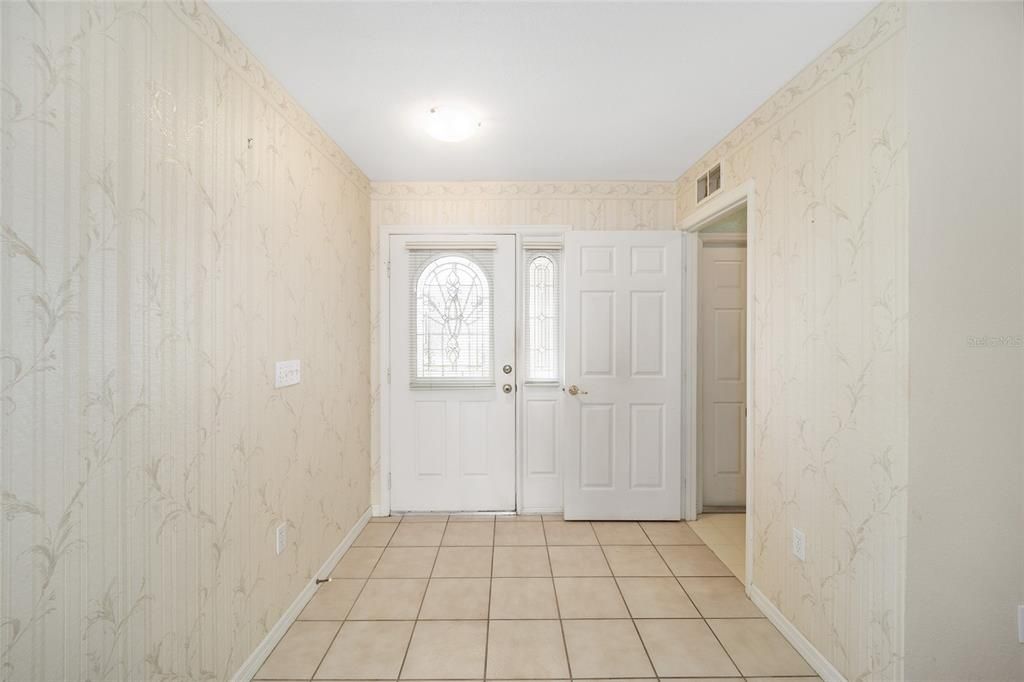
(815,658)
(259,655)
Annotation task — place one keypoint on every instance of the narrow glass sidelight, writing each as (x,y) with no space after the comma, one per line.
(542,284)
(453,319)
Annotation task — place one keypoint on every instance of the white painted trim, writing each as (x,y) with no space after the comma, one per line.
(715,208)
(257,658)
(737,239)
(384,234)
(815,658)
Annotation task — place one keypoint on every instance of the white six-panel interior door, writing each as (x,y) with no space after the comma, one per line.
(722,355)
(623,373)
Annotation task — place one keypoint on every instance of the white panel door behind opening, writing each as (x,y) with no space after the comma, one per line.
(722,352)
(623,374)
(452,330)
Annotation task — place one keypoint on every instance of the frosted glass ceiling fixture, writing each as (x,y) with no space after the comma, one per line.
(451,124)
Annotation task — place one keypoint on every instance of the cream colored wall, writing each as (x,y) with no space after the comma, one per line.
(153,268)
(965,552)
(828,156)
(581,205)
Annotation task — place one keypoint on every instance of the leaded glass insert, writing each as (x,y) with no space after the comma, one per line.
(453,322)
(542,317)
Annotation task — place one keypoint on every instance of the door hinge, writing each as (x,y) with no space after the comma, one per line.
(389,374)
(387,268)
(389,480)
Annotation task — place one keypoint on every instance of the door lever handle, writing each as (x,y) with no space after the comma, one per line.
(575,390)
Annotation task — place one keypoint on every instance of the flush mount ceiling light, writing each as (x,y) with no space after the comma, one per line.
(451,124)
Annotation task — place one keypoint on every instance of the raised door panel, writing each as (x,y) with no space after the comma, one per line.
(647,446)
(597,333)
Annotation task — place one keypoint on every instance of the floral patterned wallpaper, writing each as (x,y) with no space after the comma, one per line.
(172,224)
(581,205)
(163,201)
(828,156)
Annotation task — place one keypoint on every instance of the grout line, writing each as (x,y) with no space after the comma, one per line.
(558,611)
(342,624)
(636,628)
(416,620)
(705,620)
(490,590)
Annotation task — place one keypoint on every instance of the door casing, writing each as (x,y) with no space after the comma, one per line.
(714,208)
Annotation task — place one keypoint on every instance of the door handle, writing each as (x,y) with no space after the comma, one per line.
(507,388)
(575,390)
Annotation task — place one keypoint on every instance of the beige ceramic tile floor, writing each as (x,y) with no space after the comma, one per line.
(534,598)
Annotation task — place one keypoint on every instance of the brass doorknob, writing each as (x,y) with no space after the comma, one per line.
(576,390)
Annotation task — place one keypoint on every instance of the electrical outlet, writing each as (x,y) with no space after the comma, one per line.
(282,537)
(799,544)
(287,373)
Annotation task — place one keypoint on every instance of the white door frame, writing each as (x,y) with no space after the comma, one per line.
(714,208)
(384,234)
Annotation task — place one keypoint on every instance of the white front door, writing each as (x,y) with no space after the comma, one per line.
(623,374)
(721,352)
(452,335)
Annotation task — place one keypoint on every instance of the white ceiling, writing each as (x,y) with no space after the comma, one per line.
(567,91)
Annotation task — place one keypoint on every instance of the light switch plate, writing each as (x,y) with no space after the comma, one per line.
(799,544)
(287,373)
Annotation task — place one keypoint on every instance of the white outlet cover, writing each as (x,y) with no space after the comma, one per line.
(287,373)
(799,544)
(281,537)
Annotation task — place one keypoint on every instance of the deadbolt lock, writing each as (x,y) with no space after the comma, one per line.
(507,369)
(507,388)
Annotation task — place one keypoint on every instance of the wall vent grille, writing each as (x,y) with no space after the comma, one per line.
(709,183)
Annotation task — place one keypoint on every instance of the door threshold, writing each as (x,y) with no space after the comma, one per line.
(435,512)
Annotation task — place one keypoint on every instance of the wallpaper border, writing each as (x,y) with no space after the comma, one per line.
(209,27)
(875,28)
(433,191)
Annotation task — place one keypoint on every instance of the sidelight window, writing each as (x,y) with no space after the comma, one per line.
(542,314)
